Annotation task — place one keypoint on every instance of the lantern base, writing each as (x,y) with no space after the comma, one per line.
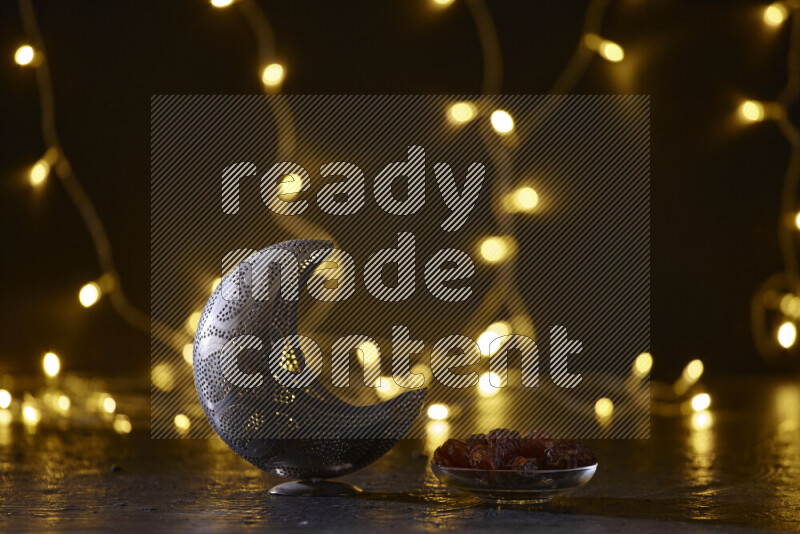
(315,488)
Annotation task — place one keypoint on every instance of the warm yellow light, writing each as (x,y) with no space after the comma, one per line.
(797,220)
(122,424)
(437,411)
(89,294)
(182,423)
(5,417)
(611,51)
(502,121)
(693,371)
(272,74)
(51,364)
(461,112)
(109,405)
(188,353)
(388,387)
(291,184)
(24,55)
(39,172)
(787,335)
(214,283)
(192,321)
(496,248)
(443,2)
(604,407)
(370,354)
(63,403)
(494,331)
(701,402)
(30,414)
(485,386)
(221,3)
(751,110)
(5,399)
(642,364)
(775,14)
(701,420)
(161,375)
(525,199)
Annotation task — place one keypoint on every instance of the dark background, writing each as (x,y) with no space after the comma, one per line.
(715,182)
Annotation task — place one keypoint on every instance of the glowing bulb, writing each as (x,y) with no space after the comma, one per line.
(525,199)
(797,221)
(496,248)
(24,55)
(291,184)
(161,375)
(787,335)
(603,407)
(608,50)
(502,121)
(63,403)
(611,51)
(192,321)
(443,3)
(437,411)
(642,364)
(182,423)
(109,405)
(387,387)
(31,415)
(775,14)
(272,75)
(485,386)
(5,399)
(39,172)
(701,402)
(122,424)
(221,3)
(51,364)
(693,370)
(494,331)
(751,110)
(370,354)
(89,294)
(461,112)
(188,353)
(701,420)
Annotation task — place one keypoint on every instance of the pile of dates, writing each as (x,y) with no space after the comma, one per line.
(506,449)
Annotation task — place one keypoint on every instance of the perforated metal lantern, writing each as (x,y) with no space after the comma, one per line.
(303,433)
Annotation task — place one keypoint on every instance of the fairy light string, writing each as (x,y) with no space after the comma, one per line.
(777,294)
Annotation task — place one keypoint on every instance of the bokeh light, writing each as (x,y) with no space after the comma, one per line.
(787,335)
(221,3)
(5,399)
(437,411)
(604,407)
(751,110)
(485,386)
(24,55)
(502,121)
(273,74)
(494,249)
(461,112)
(643,364)
(89,294)
(701,402)
(39,172)
(51,364)
(775,14)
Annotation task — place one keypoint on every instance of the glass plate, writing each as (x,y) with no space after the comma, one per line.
(512,486)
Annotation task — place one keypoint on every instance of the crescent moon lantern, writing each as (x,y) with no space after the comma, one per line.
(292,432)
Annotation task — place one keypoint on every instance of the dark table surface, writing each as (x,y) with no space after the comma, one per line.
(738,471)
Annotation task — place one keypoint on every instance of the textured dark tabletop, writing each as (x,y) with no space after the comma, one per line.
(739,473)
